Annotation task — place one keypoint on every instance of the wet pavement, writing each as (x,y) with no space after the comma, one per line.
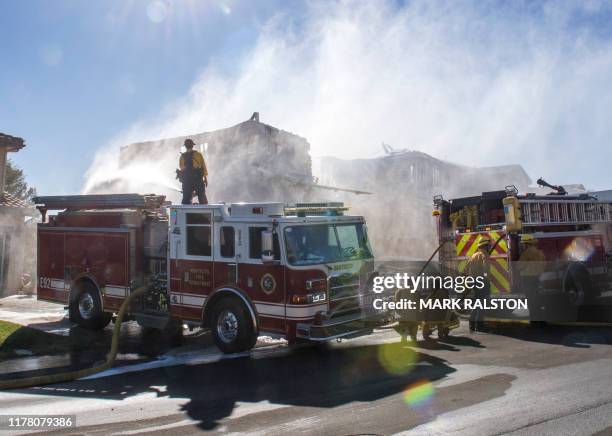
(87,348)
(27,310)
(138,347)
(358,386)
(529,380)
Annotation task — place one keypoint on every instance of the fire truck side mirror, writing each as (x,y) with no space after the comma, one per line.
(512,213)
(267,246)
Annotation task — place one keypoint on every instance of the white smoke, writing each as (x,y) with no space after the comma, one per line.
(478,83)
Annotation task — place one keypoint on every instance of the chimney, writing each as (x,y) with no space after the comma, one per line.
(8,144)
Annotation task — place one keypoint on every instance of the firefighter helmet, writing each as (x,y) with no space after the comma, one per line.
(189,142)
(484,240)
(528,239)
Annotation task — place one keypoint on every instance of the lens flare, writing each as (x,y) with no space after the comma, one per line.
(225,8)
(396,358)
(579,249)
(418,393)
(157,11)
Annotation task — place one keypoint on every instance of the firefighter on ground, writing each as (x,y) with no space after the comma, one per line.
(193,174)
(479,265)
(531,266)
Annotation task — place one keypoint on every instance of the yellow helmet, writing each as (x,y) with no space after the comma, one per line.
(484,240)
(528,239)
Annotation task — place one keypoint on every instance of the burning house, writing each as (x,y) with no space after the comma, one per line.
(250,161)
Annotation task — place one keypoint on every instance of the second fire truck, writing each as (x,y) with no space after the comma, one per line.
(573,231)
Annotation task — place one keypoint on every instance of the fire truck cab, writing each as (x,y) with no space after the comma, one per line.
(299,271)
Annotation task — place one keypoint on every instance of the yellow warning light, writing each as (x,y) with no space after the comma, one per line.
(512,213)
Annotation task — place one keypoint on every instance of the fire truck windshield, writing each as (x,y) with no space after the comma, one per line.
(326,243)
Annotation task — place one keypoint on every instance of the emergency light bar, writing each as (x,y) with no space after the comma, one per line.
(334,208)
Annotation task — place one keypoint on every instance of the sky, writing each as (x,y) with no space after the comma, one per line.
(476,83)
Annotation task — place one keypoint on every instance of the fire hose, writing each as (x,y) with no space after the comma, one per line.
(73,375)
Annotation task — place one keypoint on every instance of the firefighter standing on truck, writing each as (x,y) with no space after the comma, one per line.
(479,265)
(531,266)
(193,174)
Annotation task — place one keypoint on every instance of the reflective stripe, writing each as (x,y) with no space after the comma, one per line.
(499,276)
(268,309)
(467,245)
(57,285)
(115,291)
(193,300)
(461,243)
(290,311)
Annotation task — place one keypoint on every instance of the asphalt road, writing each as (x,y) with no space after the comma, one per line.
(516,380)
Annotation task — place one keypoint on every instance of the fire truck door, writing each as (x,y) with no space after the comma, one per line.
(262,281)
(191,266)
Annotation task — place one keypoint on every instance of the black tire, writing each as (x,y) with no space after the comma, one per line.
(86,309)
(232,326)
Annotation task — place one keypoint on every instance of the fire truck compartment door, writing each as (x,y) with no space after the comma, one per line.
(191,262)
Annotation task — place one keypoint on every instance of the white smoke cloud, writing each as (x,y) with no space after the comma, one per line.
(478,83)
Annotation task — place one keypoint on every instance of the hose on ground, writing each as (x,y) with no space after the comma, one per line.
(73,375)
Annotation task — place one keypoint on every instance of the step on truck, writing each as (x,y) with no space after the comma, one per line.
(296,271)
(573,231)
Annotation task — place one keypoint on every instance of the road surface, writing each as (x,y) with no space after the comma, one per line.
(516,380)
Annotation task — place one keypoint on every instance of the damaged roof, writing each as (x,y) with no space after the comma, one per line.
(12,143)
(8,200)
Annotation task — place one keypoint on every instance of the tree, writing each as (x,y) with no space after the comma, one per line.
(15,183)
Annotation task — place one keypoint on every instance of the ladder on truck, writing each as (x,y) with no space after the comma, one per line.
(98,201)
(538,211)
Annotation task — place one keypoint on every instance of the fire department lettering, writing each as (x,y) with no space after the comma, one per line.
(267,283)
(198,277)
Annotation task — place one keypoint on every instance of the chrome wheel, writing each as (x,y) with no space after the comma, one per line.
(227,326)
(86,306)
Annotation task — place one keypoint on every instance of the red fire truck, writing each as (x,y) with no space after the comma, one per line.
(574,233)
(297,271)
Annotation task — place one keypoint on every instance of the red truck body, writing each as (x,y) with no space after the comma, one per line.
(311,284)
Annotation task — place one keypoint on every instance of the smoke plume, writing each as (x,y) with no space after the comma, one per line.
(479,83)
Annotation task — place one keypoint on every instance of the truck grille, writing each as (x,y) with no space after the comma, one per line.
(344,294)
